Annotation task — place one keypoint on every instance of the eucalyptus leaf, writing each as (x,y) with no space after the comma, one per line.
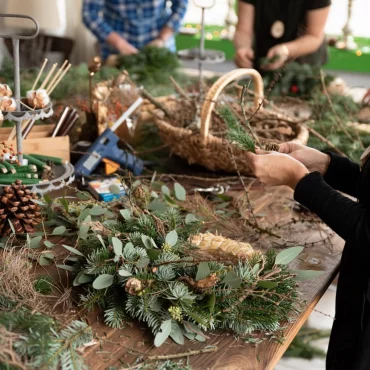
(190,336)
(84,278)
(170,200)
(84,230)
(232,280)
(38,202)
(255,268)
(288,255)
(203,271)
(165,190)
(103,281)
(97,211)
(171,238)
(212,302)
(126,214)
(60,230)
(83,196)
(176,333)
(66,267)
(101,240)
(73,250)
(163,334)
(49,255)
(153,254)
(157,205)
(117,246)
(48,200)
(124,273)
(35,242)
(222,205)
(43,261)
(84,213)
(180,192)
(143,262)
(190,218)
(307,274)
(146,241)
(136,184)
(48,244)
(192,328)
(267,284)
(114,189)
(153,194)
(200,338)
(64,202)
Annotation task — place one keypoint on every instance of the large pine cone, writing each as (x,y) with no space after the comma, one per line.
(16,206)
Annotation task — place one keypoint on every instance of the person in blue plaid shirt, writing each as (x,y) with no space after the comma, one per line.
(125,26)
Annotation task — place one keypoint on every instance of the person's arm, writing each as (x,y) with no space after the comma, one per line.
(178,9)
(348,219)
(343,174)
(244,33)
(308,43)
(103,31)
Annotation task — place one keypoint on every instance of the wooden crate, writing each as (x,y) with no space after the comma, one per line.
(40,142)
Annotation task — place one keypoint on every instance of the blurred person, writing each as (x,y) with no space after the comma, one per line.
(126,26)
(280,30)
(318,180)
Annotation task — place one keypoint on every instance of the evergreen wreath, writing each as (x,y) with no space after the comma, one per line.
(152,265)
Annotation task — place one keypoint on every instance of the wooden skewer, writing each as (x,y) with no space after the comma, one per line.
(25,105)
(56,76)
(40,73)
(47,78)
(13,132)
(59,79)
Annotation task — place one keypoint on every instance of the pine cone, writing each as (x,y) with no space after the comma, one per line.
(16,206)
(134,286)
(220,247)
(140,195)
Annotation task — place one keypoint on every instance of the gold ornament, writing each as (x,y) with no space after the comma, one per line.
(277,29)
(218,246)
(7,104)
(5,90)
(38,98)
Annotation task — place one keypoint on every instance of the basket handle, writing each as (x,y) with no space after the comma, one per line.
(217,88)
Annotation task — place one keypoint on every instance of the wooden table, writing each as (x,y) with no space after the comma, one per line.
(121,348)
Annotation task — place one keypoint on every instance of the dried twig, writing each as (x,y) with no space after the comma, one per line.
(155,102)
(184,354)
(179,89)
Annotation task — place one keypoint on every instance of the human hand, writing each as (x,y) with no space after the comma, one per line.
(275,169)
(158,43)
(280,54)
(244,57)
(311,158)
(125,48)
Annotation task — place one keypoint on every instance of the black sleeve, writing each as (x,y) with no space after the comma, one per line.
(348,219)
(343,174)
(317,4)
(253,2)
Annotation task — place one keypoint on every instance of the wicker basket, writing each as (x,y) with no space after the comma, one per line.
(208,150)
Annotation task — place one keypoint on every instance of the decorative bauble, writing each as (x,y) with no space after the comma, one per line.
(38,99)
(17,207)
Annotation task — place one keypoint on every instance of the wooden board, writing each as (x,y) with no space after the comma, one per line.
(54,146)
(38,131)
(124,347)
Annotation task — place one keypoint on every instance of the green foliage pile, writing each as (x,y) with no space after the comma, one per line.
(150,65)
(294,79)
(135,260)
(326,123)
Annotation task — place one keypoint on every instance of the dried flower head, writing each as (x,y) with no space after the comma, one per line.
(5,90)
(134,286)
(7,104)
(38,98)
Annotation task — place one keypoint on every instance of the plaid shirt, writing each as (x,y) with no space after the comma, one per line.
(137,21)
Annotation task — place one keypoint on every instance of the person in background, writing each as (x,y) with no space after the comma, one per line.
(280,30)
(318,180)
(126,26)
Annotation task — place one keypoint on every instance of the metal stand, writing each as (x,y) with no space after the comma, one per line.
(347,42)
(20,114)
(202,55)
